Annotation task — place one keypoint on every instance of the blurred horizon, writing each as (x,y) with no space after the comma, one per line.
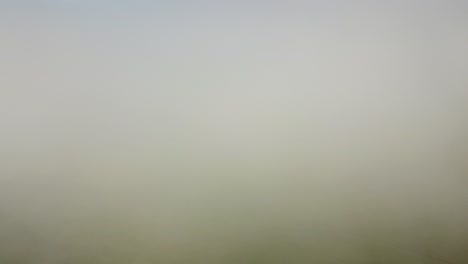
(233,132)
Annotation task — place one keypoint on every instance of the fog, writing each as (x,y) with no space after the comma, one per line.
(262,132)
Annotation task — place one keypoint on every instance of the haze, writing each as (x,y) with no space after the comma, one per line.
(234,132)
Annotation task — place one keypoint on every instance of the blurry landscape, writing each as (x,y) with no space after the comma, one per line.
(185,132)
